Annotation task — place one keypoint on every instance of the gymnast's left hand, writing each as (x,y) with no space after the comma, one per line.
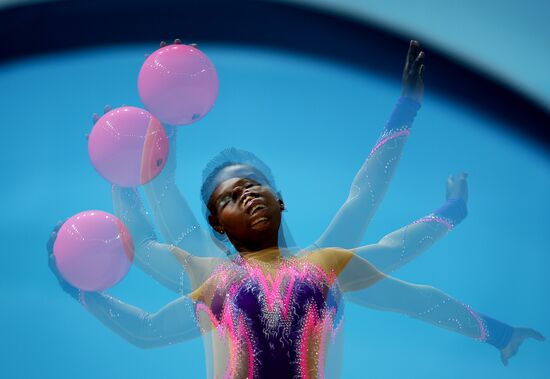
(412,81)
(518,336)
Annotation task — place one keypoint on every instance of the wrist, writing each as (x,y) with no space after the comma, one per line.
(454,210)
(403,114)
(499,334)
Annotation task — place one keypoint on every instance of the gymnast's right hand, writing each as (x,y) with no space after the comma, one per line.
(412,81)
(65,286)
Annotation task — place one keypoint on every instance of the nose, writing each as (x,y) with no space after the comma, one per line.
(240,193)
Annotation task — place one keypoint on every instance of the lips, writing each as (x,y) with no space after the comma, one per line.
(253,204)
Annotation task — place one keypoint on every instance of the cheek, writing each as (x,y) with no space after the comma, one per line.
(231,219)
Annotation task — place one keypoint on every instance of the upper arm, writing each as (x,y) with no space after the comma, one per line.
(359,274)
(353,272)
(199,269)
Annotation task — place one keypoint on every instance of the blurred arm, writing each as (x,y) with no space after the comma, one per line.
(371,182)
(173,323)
(367,286)
(403,245)
(174,268)
(176,222)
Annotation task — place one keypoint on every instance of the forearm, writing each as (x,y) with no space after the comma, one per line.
(372,180)
(403,245)
(432,305)
(151,256)
(174,323)
(175,219)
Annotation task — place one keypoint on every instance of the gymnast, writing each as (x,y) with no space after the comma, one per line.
(267,309)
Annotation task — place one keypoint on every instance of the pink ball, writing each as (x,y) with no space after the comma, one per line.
(93,250)
(178,84)
(128,146)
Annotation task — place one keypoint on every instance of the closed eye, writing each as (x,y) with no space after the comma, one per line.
(224,200)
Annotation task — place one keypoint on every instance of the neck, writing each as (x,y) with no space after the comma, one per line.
(269,242)
(269,255)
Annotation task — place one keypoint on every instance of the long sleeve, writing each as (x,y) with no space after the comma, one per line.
(173,216)
(425,303)
(371,182)
(367,286)
(151,256)
(403,245)
(172,324)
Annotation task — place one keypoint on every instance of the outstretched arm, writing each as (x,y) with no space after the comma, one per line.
(403,245)
(369,186)
(367,286)
(172,324)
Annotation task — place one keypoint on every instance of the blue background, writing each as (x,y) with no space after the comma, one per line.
(313,122)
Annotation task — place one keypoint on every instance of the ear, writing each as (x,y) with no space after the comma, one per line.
(215,224)
(282,205)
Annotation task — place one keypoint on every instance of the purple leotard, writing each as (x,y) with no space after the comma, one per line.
(274,323)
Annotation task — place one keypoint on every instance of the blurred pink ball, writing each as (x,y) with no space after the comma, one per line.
(128,146)
(178,84)
(93,250)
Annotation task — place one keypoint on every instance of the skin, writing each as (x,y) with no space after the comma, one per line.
(249,213)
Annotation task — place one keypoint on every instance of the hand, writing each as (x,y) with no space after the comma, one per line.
(177,41)
(95,117)
(518,336)
(65,286)
(412,82)
(457,187)
(170,165)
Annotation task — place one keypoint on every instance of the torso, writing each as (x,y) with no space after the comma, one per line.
(270,321)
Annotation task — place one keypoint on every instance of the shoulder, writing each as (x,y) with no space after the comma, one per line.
(331,259)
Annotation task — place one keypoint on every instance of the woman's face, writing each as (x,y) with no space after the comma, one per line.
(248,212)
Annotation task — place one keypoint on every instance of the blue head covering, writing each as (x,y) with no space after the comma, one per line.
(236,163)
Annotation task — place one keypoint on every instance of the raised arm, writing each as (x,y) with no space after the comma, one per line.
(369,186)
(403,245)
(173,216)
(176,222)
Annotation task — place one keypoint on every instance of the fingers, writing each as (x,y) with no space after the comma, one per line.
(412,53)
(503,359)
(95,117)
(58,225)
(53,236)
(107,108)
(418,62)
(177,41)
(460,176)
(535,335)
(50,243)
